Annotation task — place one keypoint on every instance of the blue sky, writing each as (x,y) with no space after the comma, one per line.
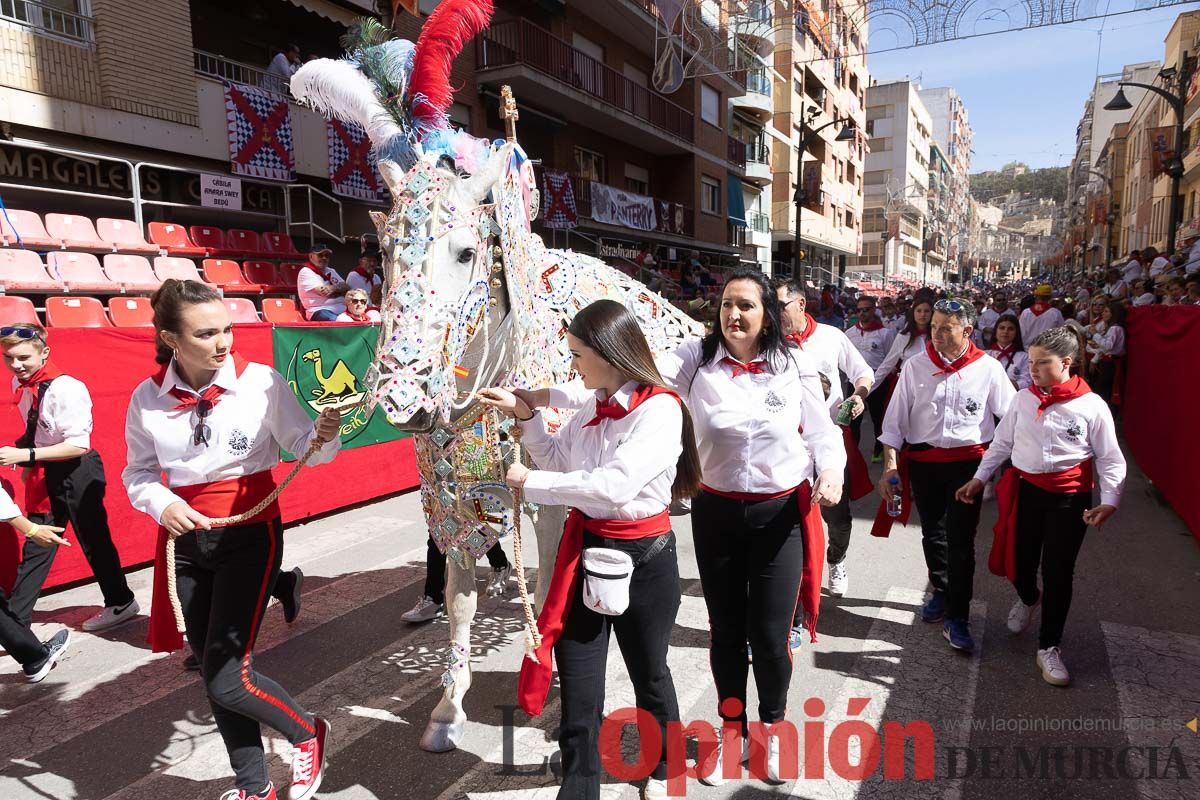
(1025,90)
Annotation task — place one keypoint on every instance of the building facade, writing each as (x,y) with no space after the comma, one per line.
(953,134)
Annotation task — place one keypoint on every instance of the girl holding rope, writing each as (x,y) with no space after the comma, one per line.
(213,424)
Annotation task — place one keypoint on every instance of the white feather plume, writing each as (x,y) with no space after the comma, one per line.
(338,89)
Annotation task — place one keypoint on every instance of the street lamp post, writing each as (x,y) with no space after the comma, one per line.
(808,135)
(1176,100)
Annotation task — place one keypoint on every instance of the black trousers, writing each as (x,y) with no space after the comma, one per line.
(224,578)
(435,568)
(1104,373)
(750,555)
(947,529)
(76,489)
(16,609)
(876,407)
(1050,531)
(643,633)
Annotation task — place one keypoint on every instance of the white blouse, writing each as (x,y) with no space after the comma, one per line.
(66,414)
(1018,371)
(835,353)
(1109,341)
(256,415)
(904,347)
(1066,434)
(618,469)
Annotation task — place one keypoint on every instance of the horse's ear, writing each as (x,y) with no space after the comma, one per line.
(393,175)
(480,184)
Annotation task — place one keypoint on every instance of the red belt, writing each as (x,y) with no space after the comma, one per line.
(1002,560)
(813,530)
(933,455)
(536,672)
(217,499)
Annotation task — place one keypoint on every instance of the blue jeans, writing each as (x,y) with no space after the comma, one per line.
(322,315)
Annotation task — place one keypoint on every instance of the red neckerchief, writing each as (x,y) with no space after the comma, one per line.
(920,331)
(739,367)
(1039,308)
(188,398)
(1075,387)
(47,372)
(369,277)
(1006,353)
(971,355)
(874,325)
(800,337)
(611,409)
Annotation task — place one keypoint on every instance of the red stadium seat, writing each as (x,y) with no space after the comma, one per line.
(228,275)
(80,272)
(280,245)
(131,312)
(25,229)
(15,309)
(175,240)
(132,272)
(281,311)
(125,235)
(23,271)
(214,239)
(241,310)
(75,312)
(77,233)
(288,273)
(246,241)
(183,269)
(262,273)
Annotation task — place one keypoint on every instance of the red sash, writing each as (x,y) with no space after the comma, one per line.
(860,479)
(218,499)
(813,528)
(935,455)
(533,684)
(1002,560)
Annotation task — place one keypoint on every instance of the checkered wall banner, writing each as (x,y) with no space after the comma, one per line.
(260,133)
(352,170)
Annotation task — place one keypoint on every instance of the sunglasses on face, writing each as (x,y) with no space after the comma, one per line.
(358,302)
(21,333)
(201,433)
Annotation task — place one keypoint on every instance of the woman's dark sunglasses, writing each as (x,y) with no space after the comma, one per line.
(202,432)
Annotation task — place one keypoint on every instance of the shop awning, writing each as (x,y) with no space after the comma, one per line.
(737,202)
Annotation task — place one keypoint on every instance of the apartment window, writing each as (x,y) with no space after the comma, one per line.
(881,144)
(874,220)
(908,255)
(849,219)
(588,47)
(710,105)
(67,19)
(879,112)
(637,179)
(876,177)
(710,195)
(591,165)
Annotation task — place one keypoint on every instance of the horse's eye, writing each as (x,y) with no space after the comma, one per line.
(467,256)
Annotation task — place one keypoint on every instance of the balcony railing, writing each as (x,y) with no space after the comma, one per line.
(214,66)
(47,19)
(735,152)
(681,221)
(758,221)
(737,234)
(520,42)
(757,153)
(758,82)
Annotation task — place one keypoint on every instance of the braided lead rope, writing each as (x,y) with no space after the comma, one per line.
(220,522)
(531,629)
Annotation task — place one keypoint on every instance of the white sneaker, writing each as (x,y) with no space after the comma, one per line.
(423,611)
(716,776)
(989,491)
(839,580)
(498,581)
(773,760)
(1021,615)
(1054,671)
(654,789)
(112,616)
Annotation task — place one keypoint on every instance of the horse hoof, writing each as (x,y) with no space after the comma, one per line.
(442,737)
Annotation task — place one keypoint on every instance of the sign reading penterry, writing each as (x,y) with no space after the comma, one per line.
(220,191)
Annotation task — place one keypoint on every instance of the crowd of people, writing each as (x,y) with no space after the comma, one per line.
(758,425)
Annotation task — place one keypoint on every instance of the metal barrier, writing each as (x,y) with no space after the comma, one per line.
(137,182)
(217,66)
(80,155)
(311,223)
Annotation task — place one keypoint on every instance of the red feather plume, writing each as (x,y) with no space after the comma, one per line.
(452,24)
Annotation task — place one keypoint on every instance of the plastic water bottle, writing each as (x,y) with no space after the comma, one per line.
(895,503)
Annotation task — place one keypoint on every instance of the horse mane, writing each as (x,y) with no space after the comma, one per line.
(443,37)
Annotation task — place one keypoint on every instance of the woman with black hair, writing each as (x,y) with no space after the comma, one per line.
(770,455)
(618,468)
(1106,352)
(1009,350)
(910,341)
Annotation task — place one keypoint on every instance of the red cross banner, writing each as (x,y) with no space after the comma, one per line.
(260,133)
(352,170)
(558,200)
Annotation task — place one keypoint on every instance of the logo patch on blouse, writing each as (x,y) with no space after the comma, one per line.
(238,443)
(972,405)
(1074,430)
(774,402)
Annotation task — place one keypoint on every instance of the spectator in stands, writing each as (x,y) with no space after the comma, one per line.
(1133,268)
(1161,263)
(1193,291)
(1106,348)
(283,66)
(1115,286)
(1141,294)
(1191,261)
(321,289)
(64,477)
(358,308)
(366,276)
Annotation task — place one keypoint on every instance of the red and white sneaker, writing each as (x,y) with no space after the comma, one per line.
(308,764)
(240,794)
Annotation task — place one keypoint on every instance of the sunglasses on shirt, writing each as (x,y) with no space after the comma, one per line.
(21,333)
(201,433)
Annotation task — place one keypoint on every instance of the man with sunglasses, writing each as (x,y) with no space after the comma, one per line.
(65,476)
(940,420)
